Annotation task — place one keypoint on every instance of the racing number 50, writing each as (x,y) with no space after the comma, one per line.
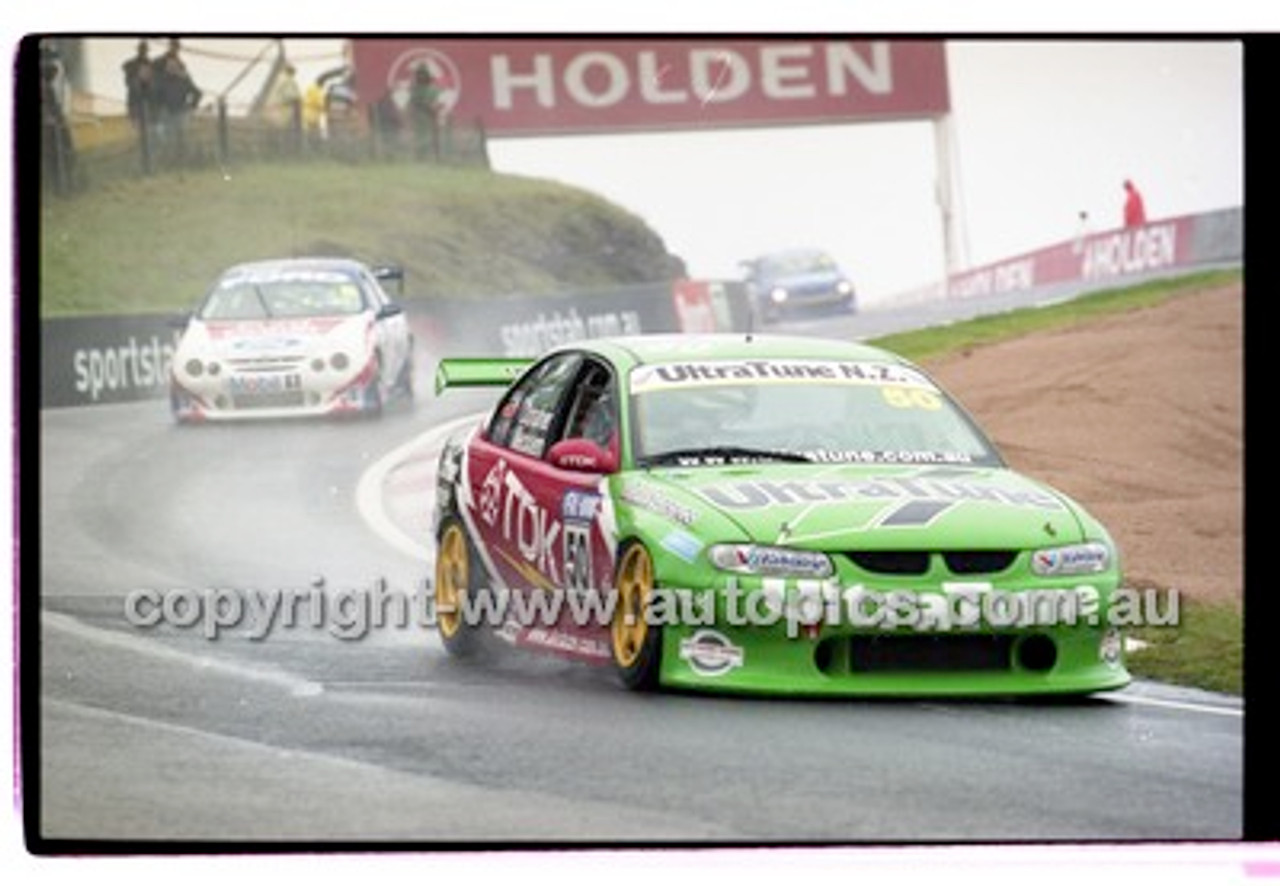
(910,398)
(577,557)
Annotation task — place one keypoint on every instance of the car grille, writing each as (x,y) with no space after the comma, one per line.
(266,364)
(273,400)
(978,562)
(917,562)
(915,653)
(891,562)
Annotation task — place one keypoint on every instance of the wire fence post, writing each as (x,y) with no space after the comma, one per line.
(375,131)
(483,143)
(224,137)
(295,128)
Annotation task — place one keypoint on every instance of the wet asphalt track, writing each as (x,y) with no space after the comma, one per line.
(304,736)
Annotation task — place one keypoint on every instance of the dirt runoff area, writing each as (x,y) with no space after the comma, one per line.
(1139,416)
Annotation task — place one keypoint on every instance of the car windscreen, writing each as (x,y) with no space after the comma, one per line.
(295,294)
(796,263)
(829,411)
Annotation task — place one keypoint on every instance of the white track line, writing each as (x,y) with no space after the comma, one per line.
(1177,705)
(207,664)
(369,493)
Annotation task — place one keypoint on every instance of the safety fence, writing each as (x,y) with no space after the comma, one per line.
(212,138)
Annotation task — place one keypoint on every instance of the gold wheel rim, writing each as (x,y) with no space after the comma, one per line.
(451,580)
(629,628)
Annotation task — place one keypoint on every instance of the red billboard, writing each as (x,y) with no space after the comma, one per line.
(524,87)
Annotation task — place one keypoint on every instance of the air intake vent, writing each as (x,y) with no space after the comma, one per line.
(930,653)
(978,562)
(891,562)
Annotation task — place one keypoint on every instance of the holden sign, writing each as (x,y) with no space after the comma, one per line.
(539,87)
(444,76)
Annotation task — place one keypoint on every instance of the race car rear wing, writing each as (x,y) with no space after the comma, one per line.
(472,372)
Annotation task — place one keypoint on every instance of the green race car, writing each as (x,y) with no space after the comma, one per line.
(762,514)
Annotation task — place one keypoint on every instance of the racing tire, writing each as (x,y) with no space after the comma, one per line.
(636,644)
(404,381)
(372,394)
(457,572)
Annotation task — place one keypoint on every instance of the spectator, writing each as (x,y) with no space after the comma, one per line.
(424,105)
(58,154)
(283,108)
(314,117)
(176,96)
(339,107)
(1135,211)
(285,97)
(339,86)
(386,120)
(139,85)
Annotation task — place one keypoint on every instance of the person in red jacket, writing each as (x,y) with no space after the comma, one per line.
(1135,213)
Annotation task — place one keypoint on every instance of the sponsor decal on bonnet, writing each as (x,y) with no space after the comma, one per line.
(660,376)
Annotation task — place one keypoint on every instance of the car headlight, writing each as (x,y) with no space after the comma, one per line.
(339,361)
(194,368)
(751,559)
(1082,559)
(844,287)
(778,294)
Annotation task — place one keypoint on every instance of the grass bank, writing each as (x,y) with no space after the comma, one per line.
(154,244)
(1205,648)
(940,341)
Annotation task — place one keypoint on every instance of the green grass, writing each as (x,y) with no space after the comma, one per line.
(941,341)
(1204,649)
(154,244)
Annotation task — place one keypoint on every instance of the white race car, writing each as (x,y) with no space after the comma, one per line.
(299,336)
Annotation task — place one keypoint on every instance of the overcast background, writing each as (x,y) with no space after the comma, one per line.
(1042,129)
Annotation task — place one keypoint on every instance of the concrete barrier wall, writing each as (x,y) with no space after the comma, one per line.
(1108,258)
(88,361)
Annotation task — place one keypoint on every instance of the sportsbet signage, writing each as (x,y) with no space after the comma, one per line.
(539,87)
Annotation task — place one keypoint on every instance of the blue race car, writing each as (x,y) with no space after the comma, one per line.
(782,281)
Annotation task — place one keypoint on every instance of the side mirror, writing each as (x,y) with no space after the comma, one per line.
(390,309)
(581,454)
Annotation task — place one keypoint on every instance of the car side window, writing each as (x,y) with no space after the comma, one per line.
(525,419)
(374,293)
(593,412)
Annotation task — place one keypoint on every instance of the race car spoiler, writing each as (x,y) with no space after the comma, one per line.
(473,372)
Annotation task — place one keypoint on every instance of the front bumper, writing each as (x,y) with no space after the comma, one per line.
(233,396)
(799,298)
(821,656)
